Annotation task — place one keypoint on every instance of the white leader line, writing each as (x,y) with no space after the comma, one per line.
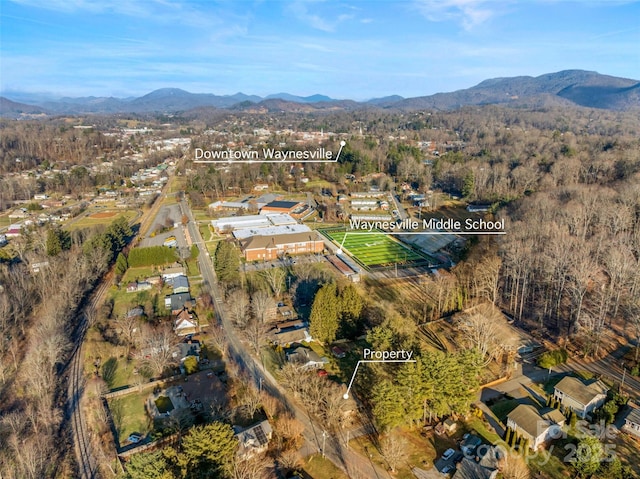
(346,395)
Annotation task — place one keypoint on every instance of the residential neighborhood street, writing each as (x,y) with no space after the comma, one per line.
(334,449)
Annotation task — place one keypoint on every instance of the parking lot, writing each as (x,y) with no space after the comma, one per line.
(283,262)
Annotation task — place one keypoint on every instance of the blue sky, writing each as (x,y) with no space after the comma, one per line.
(344,49)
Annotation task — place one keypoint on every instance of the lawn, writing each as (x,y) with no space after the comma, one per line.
(372,249)
(151,300)
(129,416)
(89,221)
(138,274)
(482,430)
(112,365)
(317,467)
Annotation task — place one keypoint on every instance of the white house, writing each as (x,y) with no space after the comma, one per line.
(632,422)
(527,422)
(582,398)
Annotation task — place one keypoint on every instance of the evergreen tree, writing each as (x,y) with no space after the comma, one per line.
(53,243)
(388,408)
(507,435)
(323,321)
(227,263)
(121,264)
(573,418)
(468,187)
(589,455)
(351,306)
(57,241)
(150,465)
(207,451)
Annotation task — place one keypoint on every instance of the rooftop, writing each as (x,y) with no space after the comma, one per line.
(528,419)
(579,391)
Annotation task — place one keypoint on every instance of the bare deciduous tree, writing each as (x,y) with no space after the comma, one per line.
(394,451)
(263,306)
(157,348)
(238,307)
(480,330)
(275,279)
(513,466)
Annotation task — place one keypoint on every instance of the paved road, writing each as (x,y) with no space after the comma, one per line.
(335,450)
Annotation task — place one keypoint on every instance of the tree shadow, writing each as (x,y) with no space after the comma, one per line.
(109,369)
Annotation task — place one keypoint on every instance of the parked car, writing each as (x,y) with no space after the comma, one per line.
(134,438)
(448,454)
(447,469)
(338,352)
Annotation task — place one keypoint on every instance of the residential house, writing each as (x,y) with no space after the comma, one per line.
(177,302)
(553,415)
(582,398)
(14,230)
(306,358)
(289,332)
(185,323)
(186,349)
(483,466)
(180,284)
(173,272)
(253,440)
(632,422)
(526,422)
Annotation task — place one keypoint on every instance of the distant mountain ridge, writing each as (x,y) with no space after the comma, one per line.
(568,87)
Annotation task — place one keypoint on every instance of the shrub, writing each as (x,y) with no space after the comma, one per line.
(190,364)
(553,358)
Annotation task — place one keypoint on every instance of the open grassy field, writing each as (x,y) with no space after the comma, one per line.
(129,416)
(317,467)
(100,218)
(374,249)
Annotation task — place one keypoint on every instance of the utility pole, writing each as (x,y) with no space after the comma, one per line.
(324,438)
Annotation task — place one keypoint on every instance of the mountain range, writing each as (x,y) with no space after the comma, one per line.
(568,87)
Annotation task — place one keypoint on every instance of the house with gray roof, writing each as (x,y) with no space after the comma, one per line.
(527,422)
(632,421)
(180,284)
(306,358)
(483,466)
(582,398)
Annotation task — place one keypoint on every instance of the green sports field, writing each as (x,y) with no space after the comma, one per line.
(375,249)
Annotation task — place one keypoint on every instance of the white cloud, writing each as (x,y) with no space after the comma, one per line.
(470,13)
